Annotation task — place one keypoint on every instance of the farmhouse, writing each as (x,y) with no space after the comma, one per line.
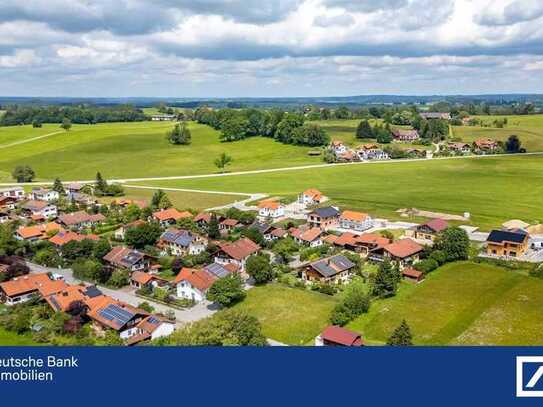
(271,209)
(13,192)
(429,230)
(371,152)
(310,197)
(338,147)
(179,242)
(236,252)
(363,244)
(459,148)
(336,269)
(44,194)
(403,135)
(404,252)
(192,284)
(123,258)
(358,221)
(485,145)
(80,220)
(507,243)
(338,336)
(168,217)
(39,209)
(324,218)
(308,237)
(228,225)
(7,202)
(435,116)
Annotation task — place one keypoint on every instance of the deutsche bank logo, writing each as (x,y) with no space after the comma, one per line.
(529,376)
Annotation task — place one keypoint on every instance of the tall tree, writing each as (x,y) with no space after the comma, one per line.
(454,242)
(100,184)
(223,161)
(401,336)
(66,124)
(364,130)
(227,291)
(180,134)
(58,187)
(512,145)
(23,173)
(385,283)
(259,268)
(157,198)
(213,228)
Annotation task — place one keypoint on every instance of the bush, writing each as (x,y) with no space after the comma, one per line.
(227,291)
(426,265)
(439,256)
(118,279)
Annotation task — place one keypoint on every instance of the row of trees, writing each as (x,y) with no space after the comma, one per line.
(82,114)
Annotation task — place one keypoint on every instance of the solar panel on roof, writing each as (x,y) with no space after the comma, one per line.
(217,270)
(153,320)
(92,292)
(114,312)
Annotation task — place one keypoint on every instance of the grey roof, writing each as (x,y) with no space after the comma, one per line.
(92,291)
(328,212)
(132,258)
(180,237)
(217,270)
(332,266)
(261,227)
(499,236)
(116,314)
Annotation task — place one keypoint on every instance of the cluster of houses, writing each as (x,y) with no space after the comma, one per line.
(365,152)
(133,325)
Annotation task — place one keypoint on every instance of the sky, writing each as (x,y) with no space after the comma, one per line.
(269,48)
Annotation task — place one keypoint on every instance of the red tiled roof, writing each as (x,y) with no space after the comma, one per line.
(24,284)
(141,277)
(411,272)
(404,248)
(230,222)
(437,225)
(63,237)
(172,213)
(341,336)
(198,278)
(354,216)
(310,235)
(269,204)
(240,249)
(313,193)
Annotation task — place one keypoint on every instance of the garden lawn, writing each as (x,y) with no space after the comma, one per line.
(289,315)
(134,150)
(8,338)
(492,189)
(461,303)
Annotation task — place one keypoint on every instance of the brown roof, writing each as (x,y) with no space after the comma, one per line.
(123,256)
(230,222)
(240,249)
(437,225)
(63,237)
(141,277)
(411,272)
(341,336)
(404,248)
(34,205)
(331,239)
(278,232)
(40,231)
(203,216)
(76,218)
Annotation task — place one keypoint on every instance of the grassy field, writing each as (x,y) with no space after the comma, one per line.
(288,315)
(128,150)
(182,200)
(492,189)
(528,128)
(12,339)
(462,303)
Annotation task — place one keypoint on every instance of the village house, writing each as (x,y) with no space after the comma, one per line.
(80,220)
(307,237)
(81,199)
(271,209)
(169,217)
(23,288)
(324,218)
(435,116)
(348,156)
(338,147)
(64,237)
(368,152)
(333,270)
(8,203)
(193,284)
(38,232)
(403,252)
(74,187)
(338,336)
(203,219)
(179,242)
(362,244)
(310,197)
(353,220)
(44,194)
(236,252)
(459,148)
(507,243)
(221,270)
(151,328)
(405,136)
(228,225)
(163,117)
(275,233)
(124,258)
(68,295)
(123,203)
(39,210)
(410,274)
(121,232)
(140,279)
(13,192)
(428,231)
(485,145)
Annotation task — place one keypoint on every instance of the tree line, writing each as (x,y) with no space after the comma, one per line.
(84,114)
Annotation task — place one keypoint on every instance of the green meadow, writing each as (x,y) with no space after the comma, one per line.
(463,304)
(492,189)
(128,150)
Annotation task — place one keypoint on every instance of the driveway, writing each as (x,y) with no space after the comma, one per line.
(199,311)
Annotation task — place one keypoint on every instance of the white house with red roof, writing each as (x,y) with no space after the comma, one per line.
(338,336)
(311,196)
(271,209)
(428,231)
(193,284)
(236,252)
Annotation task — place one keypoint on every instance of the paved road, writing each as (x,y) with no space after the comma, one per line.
(199,311)
(282,169)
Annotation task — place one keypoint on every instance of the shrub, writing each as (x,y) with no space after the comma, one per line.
(426,265)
